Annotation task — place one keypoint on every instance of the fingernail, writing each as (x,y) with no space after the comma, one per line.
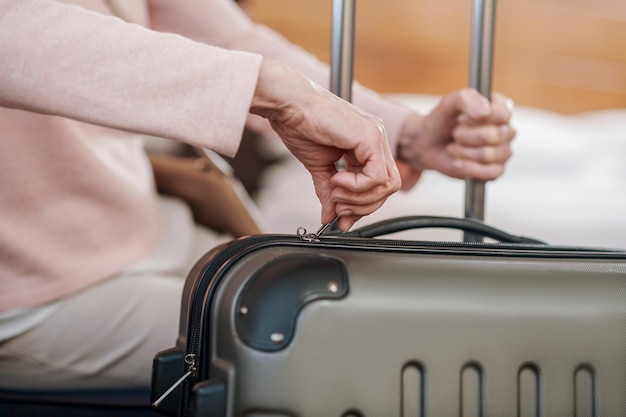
(345,213)
(510,105)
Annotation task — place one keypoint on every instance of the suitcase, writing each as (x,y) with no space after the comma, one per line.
(354,326)
(361,324)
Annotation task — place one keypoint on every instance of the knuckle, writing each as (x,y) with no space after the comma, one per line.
(467,92)
(492,135)
(486,136)
(499,171)
(466,95)
(454,150)
(488,154)
(508,153)
(494,172)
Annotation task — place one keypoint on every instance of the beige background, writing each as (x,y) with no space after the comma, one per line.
(562,55)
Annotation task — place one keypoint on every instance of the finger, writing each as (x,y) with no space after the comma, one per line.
(378,171)
(500,112)
(329,210)
(467,103)
(477,171)
(347,221)
(486,135)
(350,189)
(363,203)
(483,154)
(323,190)
(343,202)
(501,109)
(358,210)
(372,197)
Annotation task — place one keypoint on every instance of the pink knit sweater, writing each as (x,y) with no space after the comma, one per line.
(76,191)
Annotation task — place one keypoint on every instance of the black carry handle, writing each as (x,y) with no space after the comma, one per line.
(401,224)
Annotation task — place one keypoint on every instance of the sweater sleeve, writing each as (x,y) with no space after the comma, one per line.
(64,60)
(223,23)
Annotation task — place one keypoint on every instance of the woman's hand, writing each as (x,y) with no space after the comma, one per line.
(464,136)
(319,129)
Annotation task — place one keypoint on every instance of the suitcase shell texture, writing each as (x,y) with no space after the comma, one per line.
(346,326)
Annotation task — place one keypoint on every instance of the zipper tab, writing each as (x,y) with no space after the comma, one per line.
(190,360)
(314,237)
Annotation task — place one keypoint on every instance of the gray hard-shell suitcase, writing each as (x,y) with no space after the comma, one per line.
(344,325)
(353,324)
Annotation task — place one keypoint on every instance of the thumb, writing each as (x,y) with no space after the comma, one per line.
(460,106)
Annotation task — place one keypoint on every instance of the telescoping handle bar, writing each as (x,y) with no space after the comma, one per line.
(342,48)
(342,57)
(481,64)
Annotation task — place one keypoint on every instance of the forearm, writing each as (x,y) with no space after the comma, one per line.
(274,46)
(222,23)
(67,61)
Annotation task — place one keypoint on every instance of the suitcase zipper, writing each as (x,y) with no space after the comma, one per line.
(222,256)
(216,262)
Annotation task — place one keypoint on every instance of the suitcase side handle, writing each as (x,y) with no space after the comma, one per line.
(401,224)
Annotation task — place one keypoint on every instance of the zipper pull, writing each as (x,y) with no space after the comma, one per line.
(190,360)
(314,237)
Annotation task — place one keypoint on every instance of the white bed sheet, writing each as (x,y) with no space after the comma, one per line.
(566,184)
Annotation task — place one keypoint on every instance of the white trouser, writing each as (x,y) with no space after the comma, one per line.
(107,335)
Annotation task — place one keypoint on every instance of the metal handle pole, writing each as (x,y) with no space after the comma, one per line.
(342,57)
(342,48)
(481,64)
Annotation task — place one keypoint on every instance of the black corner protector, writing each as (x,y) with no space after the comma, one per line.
(268,307)
(167,367)
(209,398)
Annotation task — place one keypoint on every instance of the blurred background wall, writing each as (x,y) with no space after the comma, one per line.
(563,55)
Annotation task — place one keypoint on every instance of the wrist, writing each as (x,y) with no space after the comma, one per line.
(278,88)
(408,147)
